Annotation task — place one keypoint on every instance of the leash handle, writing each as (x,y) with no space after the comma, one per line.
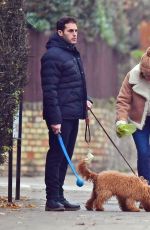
(87,131)
(112,142)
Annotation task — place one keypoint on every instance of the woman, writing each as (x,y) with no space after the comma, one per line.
(133,106)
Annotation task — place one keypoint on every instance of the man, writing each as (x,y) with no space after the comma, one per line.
(64,103)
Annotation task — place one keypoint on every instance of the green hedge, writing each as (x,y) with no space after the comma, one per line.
(13,63)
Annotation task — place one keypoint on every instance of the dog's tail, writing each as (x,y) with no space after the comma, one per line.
(85,172)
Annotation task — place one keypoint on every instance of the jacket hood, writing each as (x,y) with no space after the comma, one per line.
(56,41)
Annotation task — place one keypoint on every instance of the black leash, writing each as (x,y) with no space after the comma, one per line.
(110,140)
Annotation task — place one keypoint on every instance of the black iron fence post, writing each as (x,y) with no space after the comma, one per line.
(10,169)
(18,162)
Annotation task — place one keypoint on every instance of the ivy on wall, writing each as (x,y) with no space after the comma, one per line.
(13,63)
(113,20)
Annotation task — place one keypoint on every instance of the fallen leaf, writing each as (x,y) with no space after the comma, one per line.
(82,223)
(30,206)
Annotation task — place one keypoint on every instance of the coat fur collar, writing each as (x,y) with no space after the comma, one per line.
(140,87)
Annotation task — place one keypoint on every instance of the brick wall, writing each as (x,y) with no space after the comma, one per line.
(35,141)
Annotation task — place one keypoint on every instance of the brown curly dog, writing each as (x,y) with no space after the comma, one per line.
(127,188)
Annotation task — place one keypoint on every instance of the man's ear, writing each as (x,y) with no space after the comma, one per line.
(60,32)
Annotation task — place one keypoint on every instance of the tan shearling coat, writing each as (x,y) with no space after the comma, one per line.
(133,97)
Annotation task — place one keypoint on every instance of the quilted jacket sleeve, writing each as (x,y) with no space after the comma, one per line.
(50,77)
(123,103)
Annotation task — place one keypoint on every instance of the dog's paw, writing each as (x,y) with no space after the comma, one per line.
(89,208)
(133,210)
(99,209)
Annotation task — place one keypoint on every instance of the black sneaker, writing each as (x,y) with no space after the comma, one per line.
(68,206)
(53,205)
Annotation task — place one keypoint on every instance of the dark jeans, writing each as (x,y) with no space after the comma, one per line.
(142,142)
(56,163)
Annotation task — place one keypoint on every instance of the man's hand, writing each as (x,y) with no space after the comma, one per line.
(56,128)
(88,104)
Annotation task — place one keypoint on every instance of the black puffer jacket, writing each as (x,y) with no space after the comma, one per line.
(63,82)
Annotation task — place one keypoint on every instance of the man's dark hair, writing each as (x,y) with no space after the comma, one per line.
(60,25)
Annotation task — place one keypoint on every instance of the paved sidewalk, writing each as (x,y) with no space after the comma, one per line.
(31,215)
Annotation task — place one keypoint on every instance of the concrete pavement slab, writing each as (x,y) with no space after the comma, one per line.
(31,215)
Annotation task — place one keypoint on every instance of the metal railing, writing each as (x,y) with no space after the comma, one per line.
(18,160)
